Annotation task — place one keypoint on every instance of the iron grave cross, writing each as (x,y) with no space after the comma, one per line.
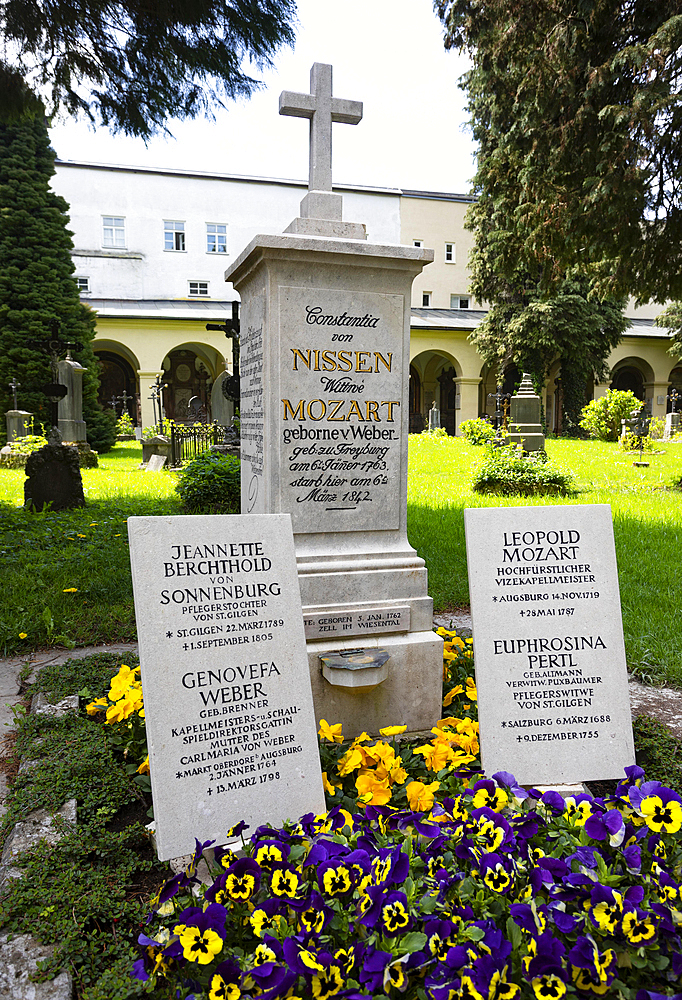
(322,109)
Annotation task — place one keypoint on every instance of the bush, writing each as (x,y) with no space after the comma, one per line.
(630,442)
(437,432)
(601,417)
(28,444)
(211,484)
(101,430)
(477,431)
(153,430)
(507,471)
(656,428)
(124,425)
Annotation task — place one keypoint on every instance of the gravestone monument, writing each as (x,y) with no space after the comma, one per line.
(525,417)
(156,463)
(324,422)
(672,425)
(70,408)
(53,476)
(228,708)
(434,418)
(222,408)
(550,659)
(18,423)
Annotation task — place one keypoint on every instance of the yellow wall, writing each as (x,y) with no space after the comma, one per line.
(144,343)
(437,222)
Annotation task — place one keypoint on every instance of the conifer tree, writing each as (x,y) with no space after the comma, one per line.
(582,101)
(571,324)
(37,287)
(541,310)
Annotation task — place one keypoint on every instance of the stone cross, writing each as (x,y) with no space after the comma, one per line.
(501,398)
(124,398)
(322,109)
(14,385)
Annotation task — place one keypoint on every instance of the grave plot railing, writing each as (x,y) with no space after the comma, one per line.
(189,440)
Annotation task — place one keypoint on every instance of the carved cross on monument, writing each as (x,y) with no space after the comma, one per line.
(321,209)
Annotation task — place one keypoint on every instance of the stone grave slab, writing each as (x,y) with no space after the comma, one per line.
(156,463)
(548,634)
(228,704)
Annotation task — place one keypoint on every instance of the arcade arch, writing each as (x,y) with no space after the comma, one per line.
(189,370)
(632,374)
(432,380)
(118,377)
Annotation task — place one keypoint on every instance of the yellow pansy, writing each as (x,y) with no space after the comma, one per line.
(96,706)
(331,733)
(420,796)
(372,791)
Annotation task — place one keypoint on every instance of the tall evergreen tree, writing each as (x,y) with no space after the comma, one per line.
(540,311)
(37,287)
(133,64)
(583,101)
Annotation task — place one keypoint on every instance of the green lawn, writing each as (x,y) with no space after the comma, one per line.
(44,555)
(647,516)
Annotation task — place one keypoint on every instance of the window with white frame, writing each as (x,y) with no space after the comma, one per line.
(417,243)
(113,231)
(450,253)
(198,287)
(459,301)
(426,299)
(173,235)
(216,238)
(83,284)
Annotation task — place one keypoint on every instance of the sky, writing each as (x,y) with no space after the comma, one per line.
(388,54)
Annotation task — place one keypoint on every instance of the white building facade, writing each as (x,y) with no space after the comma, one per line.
(151,247)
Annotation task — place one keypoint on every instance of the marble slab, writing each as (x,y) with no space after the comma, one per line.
(228,703)
(325,624)
(548,640)
(340,400)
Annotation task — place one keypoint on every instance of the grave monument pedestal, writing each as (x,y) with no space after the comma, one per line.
(18,423)
(324,424)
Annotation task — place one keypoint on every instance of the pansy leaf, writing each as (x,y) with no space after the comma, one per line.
(414,941)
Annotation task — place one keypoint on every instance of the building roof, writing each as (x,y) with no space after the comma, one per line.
(446,319)
(468,319)
(280,181)
(181,309)
(214,309)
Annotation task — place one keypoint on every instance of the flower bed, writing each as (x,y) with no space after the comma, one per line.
(428,879)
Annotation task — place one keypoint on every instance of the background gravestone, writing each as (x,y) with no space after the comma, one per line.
(525,417)
(222,408)
(18,423)
(70,408)
(53,476)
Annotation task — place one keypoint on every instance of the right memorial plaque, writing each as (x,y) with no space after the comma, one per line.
(548,639)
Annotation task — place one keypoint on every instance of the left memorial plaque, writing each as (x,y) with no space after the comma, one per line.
(228,705)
